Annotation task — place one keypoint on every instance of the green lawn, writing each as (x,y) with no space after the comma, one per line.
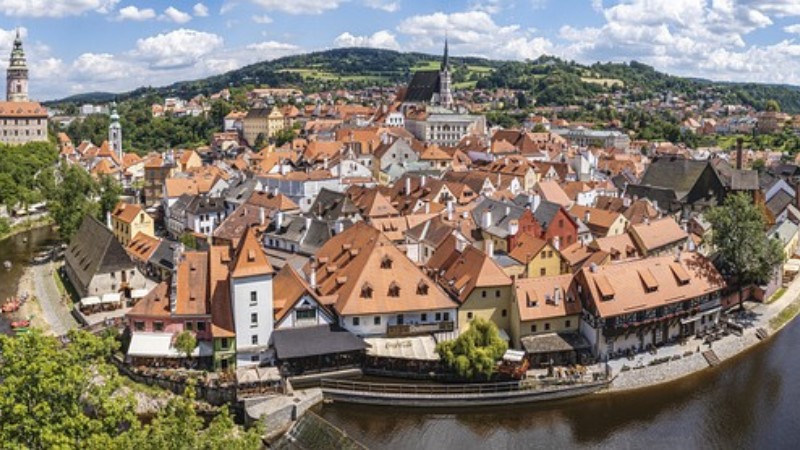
(777,295)
(785,316)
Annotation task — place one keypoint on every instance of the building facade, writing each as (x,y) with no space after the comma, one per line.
(21,120)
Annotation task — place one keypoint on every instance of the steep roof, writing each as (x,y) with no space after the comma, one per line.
(364,273)
(250,260)
(423,85)
(94,250)
(126,212)
(546,297)
(219,292)
(675,174)
(461,272)
(527,247)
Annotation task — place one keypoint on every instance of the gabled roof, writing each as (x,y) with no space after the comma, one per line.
(236,224)
(547,297)
(675,174)
(219,292)
(250,260)
(126,212)
(527,247)
(142,246)
(423,85)
(94,250)
(461,272)
(655,234)
(552,192)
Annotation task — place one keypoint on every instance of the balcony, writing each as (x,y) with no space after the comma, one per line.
(394,331)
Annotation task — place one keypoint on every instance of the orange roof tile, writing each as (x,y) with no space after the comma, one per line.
(250,258)
(547,297)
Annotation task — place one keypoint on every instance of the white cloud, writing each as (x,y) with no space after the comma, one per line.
(176,49)
(54,8)
(385,5)
(473,33)
(381,39)
(297,6)
(262,19)
(136,14)
(200,10)
(175,15)
(794,29)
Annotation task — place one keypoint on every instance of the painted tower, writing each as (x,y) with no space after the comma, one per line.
(17,74)
(115,132)
(445,94)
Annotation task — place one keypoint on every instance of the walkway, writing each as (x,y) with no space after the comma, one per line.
(55,312)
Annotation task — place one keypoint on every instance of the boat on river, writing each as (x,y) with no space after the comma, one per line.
(24,323)
(11,305)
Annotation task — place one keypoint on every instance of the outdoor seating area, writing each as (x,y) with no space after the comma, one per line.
(108,302)
(415,355)
(258,381)
(557,349)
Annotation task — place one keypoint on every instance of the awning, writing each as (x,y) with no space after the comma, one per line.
(420,348)
(513,355)
(554,342)
(314,341)
(138,293)
(112,298)
(159,345)
(90,301)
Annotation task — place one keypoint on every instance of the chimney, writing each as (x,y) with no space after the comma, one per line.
(486,219)
(593,267)
(626,202)
(422,181)
(312,274)
(450,209)
(587,216)
(678,254)
(537,200)
(108,220)
(278,220)
(489,247)
(557,243)
(513,227)
(261,216)
(408,186)
(338,227)
(427,207)
(556,296)
(739,155)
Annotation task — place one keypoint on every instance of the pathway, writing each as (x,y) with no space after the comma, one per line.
(55,312)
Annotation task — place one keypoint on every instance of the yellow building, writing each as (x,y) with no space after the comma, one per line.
(475,281)
(544,309)
(264,122)
(128,220)
(536,258)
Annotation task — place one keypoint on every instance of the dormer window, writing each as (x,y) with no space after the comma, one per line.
(394,290)
(422,288)
(366,291)
(386,263)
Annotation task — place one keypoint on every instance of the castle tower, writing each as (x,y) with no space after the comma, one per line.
(17,74)
(115,132)
(445,95)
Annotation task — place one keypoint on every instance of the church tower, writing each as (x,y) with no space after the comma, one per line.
(115,132)
(17,74)
(445,94)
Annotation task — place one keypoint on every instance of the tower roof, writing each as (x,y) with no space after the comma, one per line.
(250,260)
(446,57)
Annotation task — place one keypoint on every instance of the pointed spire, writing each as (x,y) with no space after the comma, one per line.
(446,58)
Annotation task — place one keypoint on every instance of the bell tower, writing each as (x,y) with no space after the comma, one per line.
(445,93)
(115,132)
(17,74)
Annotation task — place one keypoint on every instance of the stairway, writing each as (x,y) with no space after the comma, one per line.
(711,358)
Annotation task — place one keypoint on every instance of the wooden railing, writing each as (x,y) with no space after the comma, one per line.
(394,331)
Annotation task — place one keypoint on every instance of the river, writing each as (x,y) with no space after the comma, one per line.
(19,249)
(751,401)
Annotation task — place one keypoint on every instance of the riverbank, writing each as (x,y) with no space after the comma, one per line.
(27,225)
(50,311)
(681,361)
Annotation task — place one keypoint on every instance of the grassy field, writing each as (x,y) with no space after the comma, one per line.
(608,82)
(316,74)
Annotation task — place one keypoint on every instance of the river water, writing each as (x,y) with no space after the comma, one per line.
(19,249)
(751,401)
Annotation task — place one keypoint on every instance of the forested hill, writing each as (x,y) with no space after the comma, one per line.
(549,80)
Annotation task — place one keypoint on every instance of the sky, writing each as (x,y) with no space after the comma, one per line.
(77,46)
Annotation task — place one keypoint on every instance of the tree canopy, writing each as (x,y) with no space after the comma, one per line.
(69,397)
(73,199)
(474,353)
(747,254)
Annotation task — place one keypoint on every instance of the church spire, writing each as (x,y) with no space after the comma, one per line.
(446,57)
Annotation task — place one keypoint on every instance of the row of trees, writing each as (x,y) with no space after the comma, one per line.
(70,397)
(77,194)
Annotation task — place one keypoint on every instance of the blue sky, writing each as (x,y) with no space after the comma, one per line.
(115,45)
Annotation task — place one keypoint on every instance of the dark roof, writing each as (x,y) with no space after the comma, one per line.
(164,256)
(545,213)
(332,205)
(779,202)
(318,340)
(673,173)
(554,342)
(94,250)
(502,214)
(663,197)
(205,205)
(744,180)
(257,113)
(178,209)
(423,85)
(240,190)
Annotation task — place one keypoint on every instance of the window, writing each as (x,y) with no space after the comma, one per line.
(254,358)
(422,288)
(542,272)
(224,343)
(356,321)
(377,320)
(253,298)
(158,326)
(306,314)
(394,290)
(505,313)
(497,293)
(560,223)
(438,317)
(386,263)
(366,291)
(567,323)
(483,293)
(254,339)
(138,326)
(190,326)
(533,328)
(423,317)
(447,317)
(201,326)
(254,319)
(550,254)
(547,327)
(469,315)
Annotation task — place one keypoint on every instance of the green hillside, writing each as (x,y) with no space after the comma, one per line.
(548,80)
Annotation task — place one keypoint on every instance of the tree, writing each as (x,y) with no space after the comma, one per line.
(72,200)
(759,165)
(110,190)
(747,254)
(473,354)
(283,136)
(5,226)
(773,106)
(261,140)
(185,343)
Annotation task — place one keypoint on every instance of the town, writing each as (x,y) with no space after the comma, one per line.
(333,244)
